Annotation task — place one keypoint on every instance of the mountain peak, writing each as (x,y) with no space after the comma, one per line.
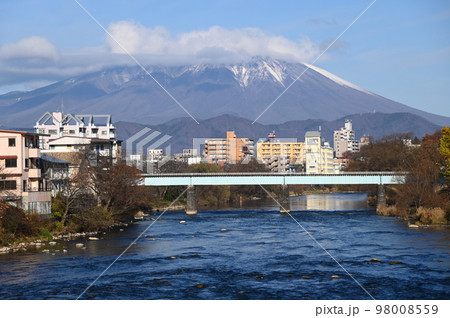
(259,68)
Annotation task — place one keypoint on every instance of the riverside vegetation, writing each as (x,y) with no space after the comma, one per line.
(424,198)
(102,194)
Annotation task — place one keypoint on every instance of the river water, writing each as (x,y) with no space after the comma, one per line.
(261,255)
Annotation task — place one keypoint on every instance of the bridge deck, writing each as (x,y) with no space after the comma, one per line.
(257,178)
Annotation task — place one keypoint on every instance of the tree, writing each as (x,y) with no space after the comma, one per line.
(422,184)
(444,149)
(114,185)
(72,188)
(387,154)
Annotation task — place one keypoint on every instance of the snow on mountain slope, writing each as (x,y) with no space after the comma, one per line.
(337,79)
(259,69)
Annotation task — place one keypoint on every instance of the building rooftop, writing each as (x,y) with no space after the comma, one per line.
(22,132)
(312,134)
(53,159)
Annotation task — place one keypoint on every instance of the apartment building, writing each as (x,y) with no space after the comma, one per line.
(68,147)
(318,154)
(344,140)
(230,150)
(66,136)
(21,180)
(272,151)
(54,125)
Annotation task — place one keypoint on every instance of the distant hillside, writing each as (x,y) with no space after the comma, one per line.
(183,130)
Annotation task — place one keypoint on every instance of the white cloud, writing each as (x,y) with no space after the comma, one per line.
(31,50)
(37,60)
(207,45)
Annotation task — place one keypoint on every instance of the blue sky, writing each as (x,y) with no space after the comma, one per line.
(397,49)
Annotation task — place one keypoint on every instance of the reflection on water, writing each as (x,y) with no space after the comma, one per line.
(330,202)
(322,201)
(263,254)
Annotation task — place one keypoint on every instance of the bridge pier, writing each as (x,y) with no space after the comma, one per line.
(191,202)
(284,199)
(381,196)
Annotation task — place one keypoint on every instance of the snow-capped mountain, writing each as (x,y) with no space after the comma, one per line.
(205,91)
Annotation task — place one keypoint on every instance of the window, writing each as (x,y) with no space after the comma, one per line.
(11,163)
(24,185)
(12,142)
(52,131)
(312,141)
(27,163)
(72,132)
(69,147)
(52,147)
(8,185)
(104,132)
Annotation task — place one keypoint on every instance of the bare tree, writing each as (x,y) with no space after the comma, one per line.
(114,185)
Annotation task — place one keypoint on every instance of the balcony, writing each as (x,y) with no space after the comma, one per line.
(33,153)
(34,173)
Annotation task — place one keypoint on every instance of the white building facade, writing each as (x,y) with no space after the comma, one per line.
(344,140)
(319,157)
(56,125)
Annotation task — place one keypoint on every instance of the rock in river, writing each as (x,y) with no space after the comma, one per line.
(335,277)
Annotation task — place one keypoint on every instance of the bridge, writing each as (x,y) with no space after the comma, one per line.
(268,178)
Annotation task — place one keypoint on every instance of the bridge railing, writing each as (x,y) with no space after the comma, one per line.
(230,174)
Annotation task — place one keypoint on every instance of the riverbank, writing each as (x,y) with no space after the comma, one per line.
(423,217)
(47,244)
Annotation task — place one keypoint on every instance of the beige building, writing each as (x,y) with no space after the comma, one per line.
(21,180)
(230,150)
(68,146)
(319,155)
(279,155)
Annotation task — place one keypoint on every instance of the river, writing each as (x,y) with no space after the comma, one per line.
(245,253)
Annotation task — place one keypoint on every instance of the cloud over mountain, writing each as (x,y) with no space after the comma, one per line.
(215,44)
(45,63)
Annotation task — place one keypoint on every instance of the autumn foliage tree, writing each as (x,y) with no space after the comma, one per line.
(387,154)
(422,185)
(444,149)
(426,163)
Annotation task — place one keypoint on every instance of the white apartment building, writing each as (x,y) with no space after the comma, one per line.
(319,157)
(344,140)
(63,136)
(56,125)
